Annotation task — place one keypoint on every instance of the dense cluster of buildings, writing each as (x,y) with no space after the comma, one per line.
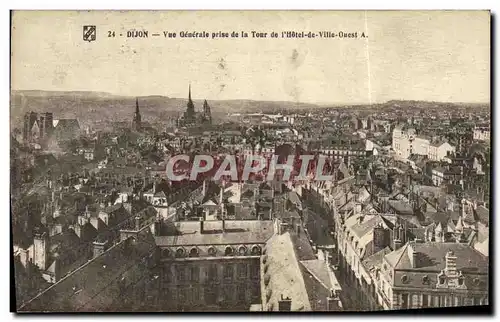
(404,224)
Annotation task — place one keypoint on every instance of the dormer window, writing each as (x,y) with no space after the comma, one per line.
(460,280)
(229,251)
(425,279)
(242,250)
(193,252)
(441,279)
(256,250)
(179,252)
(165,252)
(404,279)
(212,251)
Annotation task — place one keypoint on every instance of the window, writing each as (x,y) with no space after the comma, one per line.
(228,271)
(210,295)
(193,252)
(442,279)
(181,274)
(212,251)
(228,251)
(404,301)
(182,295)
(167,274)
(255,271)
(179,252)
(404,279)
(195,294)
(425,300)
(242,250)
(242,294)
(165,253)
(228,292)
(255,291)
(195,273)
(212,272)
(242,270)
(461,281)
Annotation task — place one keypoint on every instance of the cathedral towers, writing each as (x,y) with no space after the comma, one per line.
(191,118)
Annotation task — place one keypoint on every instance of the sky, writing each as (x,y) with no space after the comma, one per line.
(411,55)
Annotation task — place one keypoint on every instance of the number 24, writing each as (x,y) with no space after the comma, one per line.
(111,34)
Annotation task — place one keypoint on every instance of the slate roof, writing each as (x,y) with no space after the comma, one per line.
(90,287)
(285,277)
(430,257)
(236,232)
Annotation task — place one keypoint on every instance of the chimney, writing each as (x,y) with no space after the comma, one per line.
(285,304)
(202,228)
(451,263)
(333,301)
(462,208)
(99,247)
(413,257)
(157,226)
(128,206)
(137,223)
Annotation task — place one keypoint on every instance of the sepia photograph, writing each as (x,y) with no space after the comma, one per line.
(250,161)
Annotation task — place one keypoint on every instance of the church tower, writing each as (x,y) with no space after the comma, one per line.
(136,122)
(207,114)
(190,114)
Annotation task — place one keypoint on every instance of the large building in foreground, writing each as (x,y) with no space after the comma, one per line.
(206,265)
(211,265)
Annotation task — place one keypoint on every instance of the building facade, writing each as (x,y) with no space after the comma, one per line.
(211,265)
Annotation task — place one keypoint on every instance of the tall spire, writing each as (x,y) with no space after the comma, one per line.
(136,121)
(190,114)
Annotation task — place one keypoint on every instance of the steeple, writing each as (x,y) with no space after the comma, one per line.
(207,114)
(136,121)
(190,114)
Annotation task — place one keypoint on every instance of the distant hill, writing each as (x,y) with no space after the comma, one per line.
(94,106)
(427,104)
(100,106)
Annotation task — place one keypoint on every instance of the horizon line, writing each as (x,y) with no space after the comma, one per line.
(319,104)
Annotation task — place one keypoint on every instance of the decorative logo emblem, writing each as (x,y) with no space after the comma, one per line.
(89,33)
